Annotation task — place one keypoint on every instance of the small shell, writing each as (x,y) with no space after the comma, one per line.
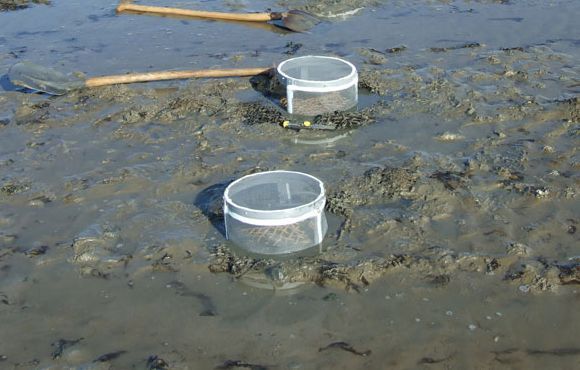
(449,136)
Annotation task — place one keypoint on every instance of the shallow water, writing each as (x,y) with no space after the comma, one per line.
(453,216)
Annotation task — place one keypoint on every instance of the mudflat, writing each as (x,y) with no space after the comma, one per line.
(452,191)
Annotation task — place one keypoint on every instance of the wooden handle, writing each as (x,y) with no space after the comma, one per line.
(252,17)
(173,75)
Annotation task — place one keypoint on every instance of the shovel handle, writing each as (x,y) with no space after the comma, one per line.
(173,75)
(251,17)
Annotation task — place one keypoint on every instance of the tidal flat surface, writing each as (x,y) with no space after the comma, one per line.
(452,192)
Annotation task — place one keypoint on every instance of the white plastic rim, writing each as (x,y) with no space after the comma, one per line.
(275,222)
(324,88)
(319,85)
(277,217)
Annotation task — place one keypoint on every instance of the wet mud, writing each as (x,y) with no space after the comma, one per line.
(451,198)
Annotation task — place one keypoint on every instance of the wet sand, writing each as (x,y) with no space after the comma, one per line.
(452,192)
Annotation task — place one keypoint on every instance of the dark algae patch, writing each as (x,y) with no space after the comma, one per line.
(432,360)
(36,251)
(7,5)
(62,344)
(346,119)
(14,187)
(109,356)
(154,362)
(345,347)
(237,364)
(469,45)
(255,113)
(208,307)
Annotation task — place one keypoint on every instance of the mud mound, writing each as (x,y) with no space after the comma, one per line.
(434,267)
(376,185)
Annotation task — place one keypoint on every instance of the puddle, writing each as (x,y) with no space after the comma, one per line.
(452,191)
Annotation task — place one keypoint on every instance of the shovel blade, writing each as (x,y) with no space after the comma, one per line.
(39,78)
(299,21)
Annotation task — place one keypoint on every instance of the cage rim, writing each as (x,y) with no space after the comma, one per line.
(352,73)
(229,202)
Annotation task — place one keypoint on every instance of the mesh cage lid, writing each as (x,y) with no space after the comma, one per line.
(317,71)
(275,195)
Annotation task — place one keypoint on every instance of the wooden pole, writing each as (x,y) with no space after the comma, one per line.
(173,75)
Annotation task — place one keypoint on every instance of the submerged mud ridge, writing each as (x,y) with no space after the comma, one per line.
(400,202)
(436,267)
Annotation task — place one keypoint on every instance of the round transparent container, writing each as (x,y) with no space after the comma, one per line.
(275,212)
(318,84)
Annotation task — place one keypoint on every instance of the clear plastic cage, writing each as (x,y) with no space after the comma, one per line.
(275,212)
(318,84)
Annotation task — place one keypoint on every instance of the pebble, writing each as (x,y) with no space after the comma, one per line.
(524,288)
(449,313)
(496,339)
(548,149)
(6,239)
(5,220)
(36,203)
(76,356)
(472,327)
(449,136)
(500,134)
(493,60)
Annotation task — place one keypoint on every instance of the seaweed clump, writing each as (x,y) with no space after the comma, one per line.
(8,5)
(345,119)
(254,113)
